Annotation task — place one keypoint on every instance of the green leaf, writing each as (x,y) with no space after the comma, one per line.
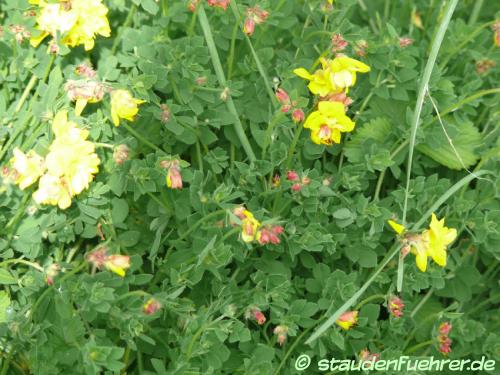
(150,6)
(6,277)
(466,138)
(4,305)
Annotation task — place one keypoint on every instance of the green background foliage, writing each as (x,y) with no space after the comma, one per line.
(184,251)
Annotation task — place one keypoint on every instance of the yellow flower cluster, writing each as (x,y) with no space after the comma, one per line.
(77,22)
(67,169)
(331,83)
(431,242)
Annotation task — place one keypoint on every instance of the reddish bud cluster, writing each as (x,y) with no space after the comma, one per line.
(443,338)
(270,234)
(287,105)
(254,16)
(395,306)
(259,317)
(338,43)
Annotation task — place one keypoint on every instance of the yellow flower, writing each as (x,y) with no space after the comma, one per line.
(398,228)
(53,19)
(117,264)
(78,22)
(320,83)
(53,190)
(432,243)
(92,21)
(347,320)
(83,92)
(27,168)
(123,105)
(439,237)
(335,76)
(328,122)
(71,155)
(343,71)
(249,226)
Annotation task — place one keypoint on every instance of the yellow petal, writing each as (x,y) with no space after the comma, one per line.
(80,106)
(302,73)
(421,260)
(331,108)
(36,40)
(398,228)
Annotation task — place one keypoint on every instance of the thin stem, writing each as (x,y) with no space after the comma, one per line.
(369,299)
(269,131)
(207,31)
(291,150)
(193,228)
(49,289)
(230,58)
(260,67)
(331,320)
(141,138)
(466,41)
(418,346)
(422,302)
(26,92)
(128,21)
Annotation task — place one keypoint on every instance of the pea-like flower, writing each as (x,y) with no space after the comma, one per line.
(151,306)
(432,242)
(26,168)
(249,227)
(83,92)
(347,320)
(328,122)
(71,155)
(124,105)
(70,164)
(77,21)
(335,76)
(117,264)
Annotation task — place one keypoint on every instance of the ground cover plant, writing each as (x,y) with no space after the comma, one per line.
(238,186)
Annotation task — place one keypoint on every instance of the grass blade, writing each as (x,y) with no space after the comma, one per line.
(219,72)
(422,90)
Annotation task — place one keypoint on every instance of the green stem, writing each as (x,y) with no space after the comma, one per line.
(141,138)
(422,302)
(26,92)
(331,320)
(49,289)
(269,131)
(481,305)
(128,21)
(139,293)
(291,150)
(452,190)
(207,31)
(230,58)
(193,228)
(467,40)
(418,346)
(260,67)
(22,261)
(369,299)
